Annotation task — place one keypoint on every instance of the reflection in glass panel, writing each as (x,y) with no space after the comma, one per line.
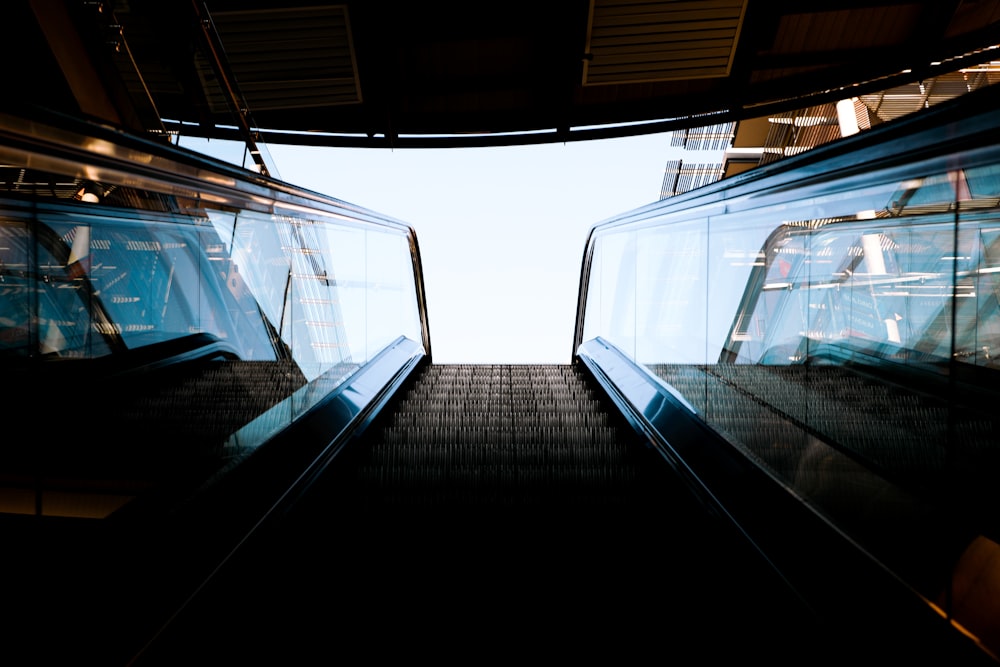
(144,275)
(740,255)
(344,248)
(312,310)
(391,291)
(833,314)
(226,297)
(981,342)
(670,294)
(980,187)
(182,313)
(836,291)
(16,287)
(137,282)
(264,266)
(71,319)
(612,283)
(198,333)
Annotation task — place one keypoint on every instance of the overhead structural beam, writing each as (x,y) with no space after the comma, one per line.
(71,54)
(561,135)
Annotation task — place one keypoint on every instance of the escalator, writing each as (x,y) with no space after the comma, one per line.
(493,508)
(775,438)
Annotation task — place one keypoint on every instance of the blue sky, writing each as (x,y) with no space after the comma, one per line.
(501,230)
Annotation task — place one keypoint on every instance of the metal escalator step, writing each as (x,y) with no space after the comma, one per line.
(432,531)
(496,435)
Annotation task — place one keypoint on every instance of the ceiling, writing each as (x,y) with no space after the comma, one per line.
(388,73)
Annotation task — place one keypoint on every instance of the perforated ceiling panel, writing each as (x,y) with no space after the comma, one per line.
(290,57)
(661,40)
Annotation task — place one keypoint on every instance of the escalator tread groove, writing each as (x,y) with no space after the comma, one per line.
(523,432)
(459,520)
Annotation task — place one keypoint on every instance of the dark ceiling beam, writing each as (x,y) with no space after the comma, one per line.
(811,88)
(757,34)
(164,40)
(375,38)
(785,7)
(935,17)
(488,74)
(833,60)
(568,69)
(736,113)
(76,59)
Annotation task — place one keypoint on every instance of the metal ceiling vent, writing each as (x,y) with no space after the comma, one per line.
(291,57)
(637,41)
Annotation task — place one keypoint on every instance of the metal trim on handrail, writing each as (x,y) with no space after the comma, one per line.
(418,279)
(582,290)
